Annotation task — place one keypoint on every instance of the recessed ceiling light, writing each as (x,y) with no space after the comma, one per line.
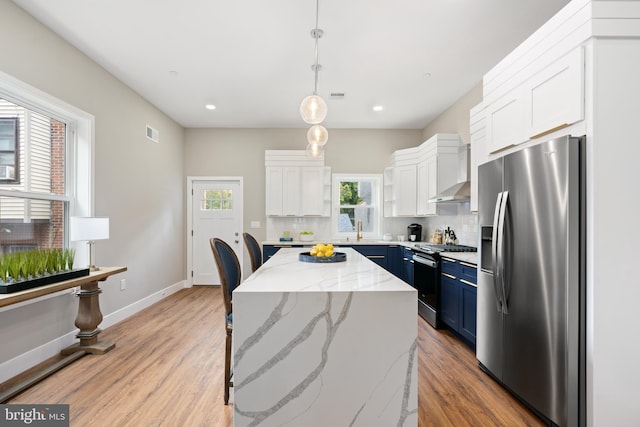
(378,108)
(426,75)
(210,107)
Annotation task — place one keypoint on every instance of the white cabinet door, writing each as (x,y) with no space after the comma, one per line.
(506,121)
(312,191)
(432,184)
(423,189)
(556,95)
(479,155)
(405,189)
(274,195)
(291,191)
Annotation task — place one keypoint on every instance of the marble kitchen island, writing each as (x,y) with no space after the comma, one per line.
(319,344)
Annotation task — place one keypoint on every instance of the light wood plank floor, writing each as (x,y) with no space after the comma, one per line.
(166,370)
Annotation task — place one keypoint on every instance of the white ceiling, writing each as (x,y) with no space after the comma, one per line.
(252,58)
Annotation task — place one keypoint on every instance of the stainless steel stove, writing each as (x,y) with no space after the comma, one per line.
(426,271)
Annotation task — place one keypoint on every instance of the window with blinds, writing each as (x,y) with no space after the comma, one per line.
(33,163)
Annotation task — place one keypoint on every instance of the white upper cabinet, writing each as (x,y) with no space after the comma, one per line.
(274,191)
(550,100)
(477,132)
(313,190)
(296,185)
(506,121)
(539,88)
(420,173)
(405,188)
(556,95)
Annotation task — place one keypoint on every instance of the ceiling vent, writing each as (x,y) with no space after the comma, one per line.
(336,95)
(153,134)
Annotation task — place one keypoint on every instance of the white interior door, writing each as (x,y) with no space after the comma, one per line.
(216,208)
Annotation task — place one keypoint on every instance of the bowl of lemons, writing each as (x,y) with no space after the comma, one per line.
(322,253)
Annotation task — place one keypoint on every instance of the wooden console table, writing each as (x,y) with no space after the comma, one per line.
(88,318)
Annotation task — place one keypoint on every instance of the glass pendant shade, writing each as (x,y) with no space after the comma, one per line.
(313,109)
(314,150)
(318,135)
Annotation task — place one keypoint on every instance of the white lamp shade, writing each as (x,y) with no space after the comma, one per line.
(85,228)
(313,109)
(315,151)
(317,135)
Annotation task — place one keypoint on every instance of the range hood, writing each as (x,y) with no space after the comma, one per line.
(461,192)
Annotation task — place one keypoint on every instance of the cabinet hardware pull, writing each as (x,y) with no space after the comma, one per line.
(468,265)
(375,256)
(502,149)
(468,283)
(449,276)
(547,132)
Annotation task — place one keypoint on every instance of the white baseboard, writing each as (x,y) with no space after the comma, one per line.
(21,363)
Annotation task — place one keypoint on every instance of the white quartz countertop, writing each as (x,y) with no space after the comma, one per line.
(342,242)
(284,272)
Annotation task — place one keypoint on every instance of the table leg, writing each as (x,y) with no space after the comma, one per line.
(88,319)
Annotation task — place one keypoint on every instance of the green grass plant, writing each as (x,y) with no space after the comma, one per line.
(25,265)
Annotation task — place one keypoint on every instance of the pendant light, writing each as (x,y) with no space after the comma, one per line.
(313,108)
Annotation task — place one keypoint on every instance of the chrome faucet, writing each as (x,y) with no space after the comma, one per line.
(359,230)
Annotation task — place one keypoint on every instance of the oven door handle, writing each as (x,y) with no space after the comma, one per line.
(425,261)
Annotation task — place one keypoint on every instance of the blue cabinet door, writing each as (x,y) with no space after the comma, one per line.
(394,260)
(450,301)
(270,250)
(376,253)
(469,295)
(407,266)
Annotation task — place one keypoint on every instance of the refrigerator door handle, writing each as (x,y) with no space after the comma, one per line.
(494,252)
(500,251)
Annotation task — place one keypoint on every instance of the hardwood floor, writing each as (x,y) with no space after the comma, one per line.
(167,370)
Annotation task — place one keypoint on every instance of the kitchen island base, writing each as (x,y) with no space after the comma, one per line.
(338,348)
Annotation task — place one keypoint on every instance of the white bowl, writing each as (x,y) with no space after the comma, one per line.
(306,237)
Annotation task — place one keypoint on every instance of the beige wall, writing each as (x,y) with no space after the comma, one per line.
(240,152)
(138,184)
(456,118)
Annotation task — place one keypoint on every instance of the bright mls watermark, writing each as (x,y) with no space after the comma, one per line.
(34,415)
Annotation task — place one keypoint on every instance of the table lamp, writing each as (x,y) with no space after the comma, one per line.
(88,229)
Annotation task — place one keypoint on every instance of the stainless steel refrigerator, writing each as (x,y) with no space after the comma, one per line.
(531,279)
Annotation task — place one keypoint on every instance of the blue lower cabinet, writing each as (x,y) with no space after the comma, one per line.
(458,298)
(407,266)
(376,253)
(468,312)
(394,260)
(270,250)
(389,257)
(450,301)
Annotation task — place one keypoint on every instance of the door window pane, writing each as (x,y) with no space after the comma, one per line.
(216,200)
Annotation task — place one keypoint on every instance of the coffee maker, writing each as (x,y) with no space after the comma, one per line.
(414,230)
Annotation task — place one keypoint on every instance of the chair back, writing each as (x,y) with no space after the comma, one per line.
(228,269)
(255,254)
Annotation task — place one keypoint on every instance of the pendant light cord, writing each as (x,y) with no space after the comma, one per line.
(316,35)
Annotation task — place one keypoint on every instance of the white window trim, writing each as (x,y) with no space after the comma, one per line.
(335,205)
(80,141)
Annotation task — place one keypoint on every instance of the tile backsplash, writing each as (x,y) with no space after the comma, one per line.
(456,216)
(459,218)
